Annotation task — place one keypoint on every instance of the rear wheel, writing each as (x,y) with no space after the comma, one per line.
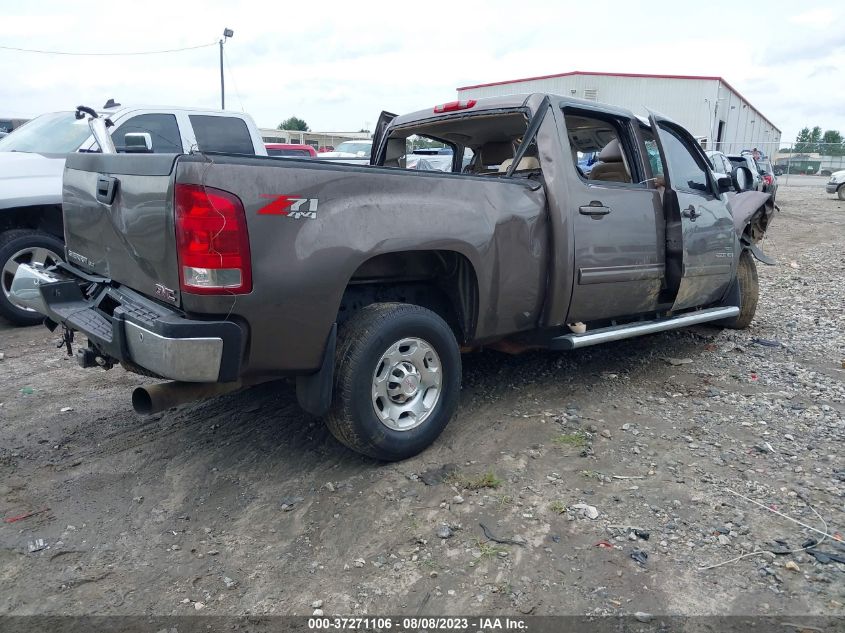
(24,246)
(749,292)
(397,380)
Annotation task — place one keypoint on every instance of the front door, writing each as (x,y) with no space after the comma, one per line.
(384,120)
(699,233)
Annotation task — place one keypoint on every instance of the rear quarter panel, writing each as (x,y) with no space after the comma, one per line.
(301,266)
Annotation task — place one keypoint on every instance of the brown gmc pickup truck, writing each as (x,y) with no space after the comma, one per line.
(365,283)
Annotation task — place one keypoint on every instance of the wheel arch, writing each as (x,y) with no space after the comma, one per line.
(442,280)
(43,217)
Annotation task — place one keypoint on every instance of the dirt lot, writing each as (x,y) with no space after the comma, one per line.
(246,505)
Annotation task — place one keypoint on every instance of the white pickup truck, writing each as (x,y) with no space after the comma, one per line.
(32,160)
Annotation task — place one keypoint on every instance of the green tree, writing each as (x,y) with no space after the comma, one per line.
(294,123)
(802,141)
(808,140)
(832,143)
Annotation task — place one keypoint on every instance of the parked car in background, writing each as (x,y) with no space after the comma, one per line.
(747,161)
(767,173)
(352,152)
(290,150)
(32,160)
(325,148)
(433,151)
(429,162)
(8,124)
(836,184)
(721,163)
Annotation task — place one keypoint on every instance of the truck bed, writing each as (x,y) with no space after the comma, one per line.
(304,257)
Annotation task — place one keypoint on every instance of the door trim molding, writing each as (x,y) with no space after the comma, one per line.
(620,274)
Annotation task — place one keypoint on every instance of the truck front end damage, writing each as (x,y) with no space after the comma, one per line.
(752,213)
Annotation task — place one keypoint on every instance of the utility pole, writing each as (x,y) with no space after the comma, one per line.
(226,34)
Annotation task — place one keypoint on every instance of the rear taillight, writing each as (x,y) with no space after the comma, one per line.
(212,241)
(454,106)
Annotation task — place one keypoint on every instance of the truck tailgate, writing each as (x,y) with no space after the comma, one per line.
(118,220)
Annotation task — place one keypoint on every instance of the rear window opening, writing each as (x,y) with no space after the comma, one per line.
(480,145)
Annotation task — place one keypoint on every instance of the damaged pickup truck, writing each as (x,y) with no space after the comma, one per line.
(366,283)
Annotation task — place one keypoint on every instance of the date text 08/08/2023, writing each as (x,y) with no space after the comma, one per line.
(409,624)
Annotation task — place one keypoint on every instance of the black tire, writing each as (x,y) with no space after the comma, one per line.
(841,192)
(11,243)
(749,292)
(362,342)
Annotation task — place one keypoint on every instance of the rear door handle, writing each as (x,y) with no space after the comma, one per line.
(106,188)
(595,209)
(690,213)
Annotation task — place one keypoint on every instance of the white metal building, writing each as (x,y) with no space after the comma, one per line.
(709,107)
(314,139)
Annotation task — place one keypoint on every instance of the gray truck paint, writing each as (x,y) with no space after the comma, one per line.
(537,259)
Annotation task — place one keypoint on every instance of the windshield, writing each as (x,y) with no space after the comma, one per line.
(353,147)
(54,133)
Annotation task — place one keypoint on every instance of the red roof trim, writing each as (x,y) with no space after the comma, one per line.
(643,75)
(581,72)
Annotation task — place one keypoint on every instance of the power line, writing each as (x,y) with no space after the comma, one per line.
(135,53)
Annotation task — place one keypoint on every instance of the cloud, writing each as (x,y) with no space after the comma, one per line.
(802,49)
(337,65)
(821,17)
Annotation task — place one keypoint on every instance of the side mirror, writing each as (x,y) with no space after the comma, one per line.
(724,184)
(741,179)
(138,143)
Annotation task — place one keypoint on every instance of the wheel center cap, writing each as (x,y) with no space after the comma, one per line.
(410,384)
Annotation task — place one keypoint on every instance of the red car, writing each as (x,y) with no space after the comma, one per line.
(290,150)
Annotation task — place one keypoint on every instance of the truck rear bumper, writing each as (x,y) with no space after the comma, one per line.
(125,326)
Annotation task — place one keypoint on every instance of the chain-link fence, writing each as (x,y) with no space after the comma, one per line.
(797,159)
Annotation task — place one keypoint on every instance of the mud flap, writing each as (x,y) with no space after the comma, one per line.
(760,256)
(314,391)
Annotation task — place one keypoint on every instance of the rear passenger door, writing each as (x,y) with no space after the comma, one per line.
(617,219)
(700,233)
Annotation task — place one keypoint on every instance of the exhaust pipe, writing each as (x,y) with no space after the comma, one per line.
(156,398)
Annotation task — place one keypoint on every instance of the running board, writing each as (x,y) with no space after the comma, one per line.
(630,330)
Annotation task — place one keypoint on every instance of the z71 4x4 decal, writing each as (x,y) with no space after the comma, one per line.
(291,206)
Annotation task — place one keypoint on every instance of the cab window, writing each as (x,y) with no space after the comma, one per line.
(222,134)
(601,149)
(162,128)
(653,154)
(686,172)
(480,145)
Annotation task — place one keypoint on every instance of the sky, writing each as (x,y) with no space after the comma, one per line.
(338,64)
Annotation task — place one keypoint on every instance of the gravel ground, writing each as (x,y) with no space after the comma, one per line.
(612,475)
